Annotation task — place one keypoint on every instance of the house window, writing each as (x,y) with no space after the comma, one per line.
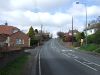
(14,31)
(91,31)
(19,41)
(74,33)
(70,33)
(23,41)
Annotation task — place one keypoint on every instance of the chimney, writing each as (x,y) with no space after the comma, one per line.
(6,24)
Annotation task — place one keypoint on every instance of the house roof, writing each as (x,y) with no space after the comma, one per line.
(74,31)
(4,29)
(94,26)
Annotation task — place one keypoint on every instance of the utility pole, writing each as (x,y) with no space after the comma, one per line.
(86,18)
(72,31)
(86,22)
(41,34)
(41,28)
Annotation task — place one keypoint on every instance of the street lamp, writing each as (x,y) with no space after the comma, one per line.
(72,31)
(86,20)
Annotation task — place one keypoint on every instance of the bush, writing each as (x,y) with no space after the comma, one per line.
(89,47)
(34,41)
(94,38)
(97,37)
(97,50)
(91,38)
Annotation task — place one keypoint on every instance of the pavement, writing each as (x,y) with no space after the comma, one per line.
(55,59)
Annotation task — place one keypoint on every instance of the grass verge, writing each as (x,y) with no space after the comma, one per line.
(91,47)
(15,67)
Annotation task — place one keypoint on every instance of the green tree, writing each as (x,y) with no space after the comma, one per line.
(91,38)
(82,35)
(94,38)
(97,37)
(60,34)
(31,34)
(78,37)
(36,31)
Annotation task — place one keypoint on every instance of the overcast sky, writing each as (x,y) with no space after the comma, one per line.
(54,15)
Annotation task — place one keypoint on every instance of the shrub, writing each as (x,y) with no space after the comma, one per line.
(97,50)
(89,47)
(97,37)
(94,38)
(91,38)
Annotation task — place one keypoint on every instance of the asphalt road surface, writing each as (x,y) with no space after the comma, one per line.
(55,59)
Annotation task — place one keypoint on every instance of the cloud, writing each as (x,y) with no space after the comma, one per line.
(80,10)
(93,10)
(24,13)
(51,4)
(24,19)
(37,5)
(22,4)
(77,9)
(4,5)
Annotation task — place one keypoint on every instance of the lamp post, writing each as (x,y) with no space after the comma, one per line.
(72,31)
(86,19)
(86,22)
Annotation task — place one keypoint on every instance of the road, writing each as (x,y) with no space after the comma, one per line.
(55,59)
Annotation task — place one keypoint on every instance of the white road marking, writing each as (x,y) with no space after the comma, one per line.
(86,65)
(66,55)
(51,44)
(36,54)
(71,50)
(68,50)
(39,66)
(69,54)
(96,64)
(76,57)
(91,62)
(64,50)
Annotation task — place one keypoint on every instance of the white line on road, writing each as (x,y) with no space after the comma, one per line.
(76,57)
(51,44)
(86,65)
(64,50)
(39,66)
(92,62)
(71,50)
(68,50)
(66,55)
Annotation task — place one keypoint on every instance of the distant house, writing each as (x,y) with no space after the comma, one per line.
(68,38)
(12,38)
(68,35)
(91,29)
(74,32)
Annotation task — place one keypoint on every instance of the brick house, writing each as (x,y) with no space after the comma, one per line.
(11,38)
